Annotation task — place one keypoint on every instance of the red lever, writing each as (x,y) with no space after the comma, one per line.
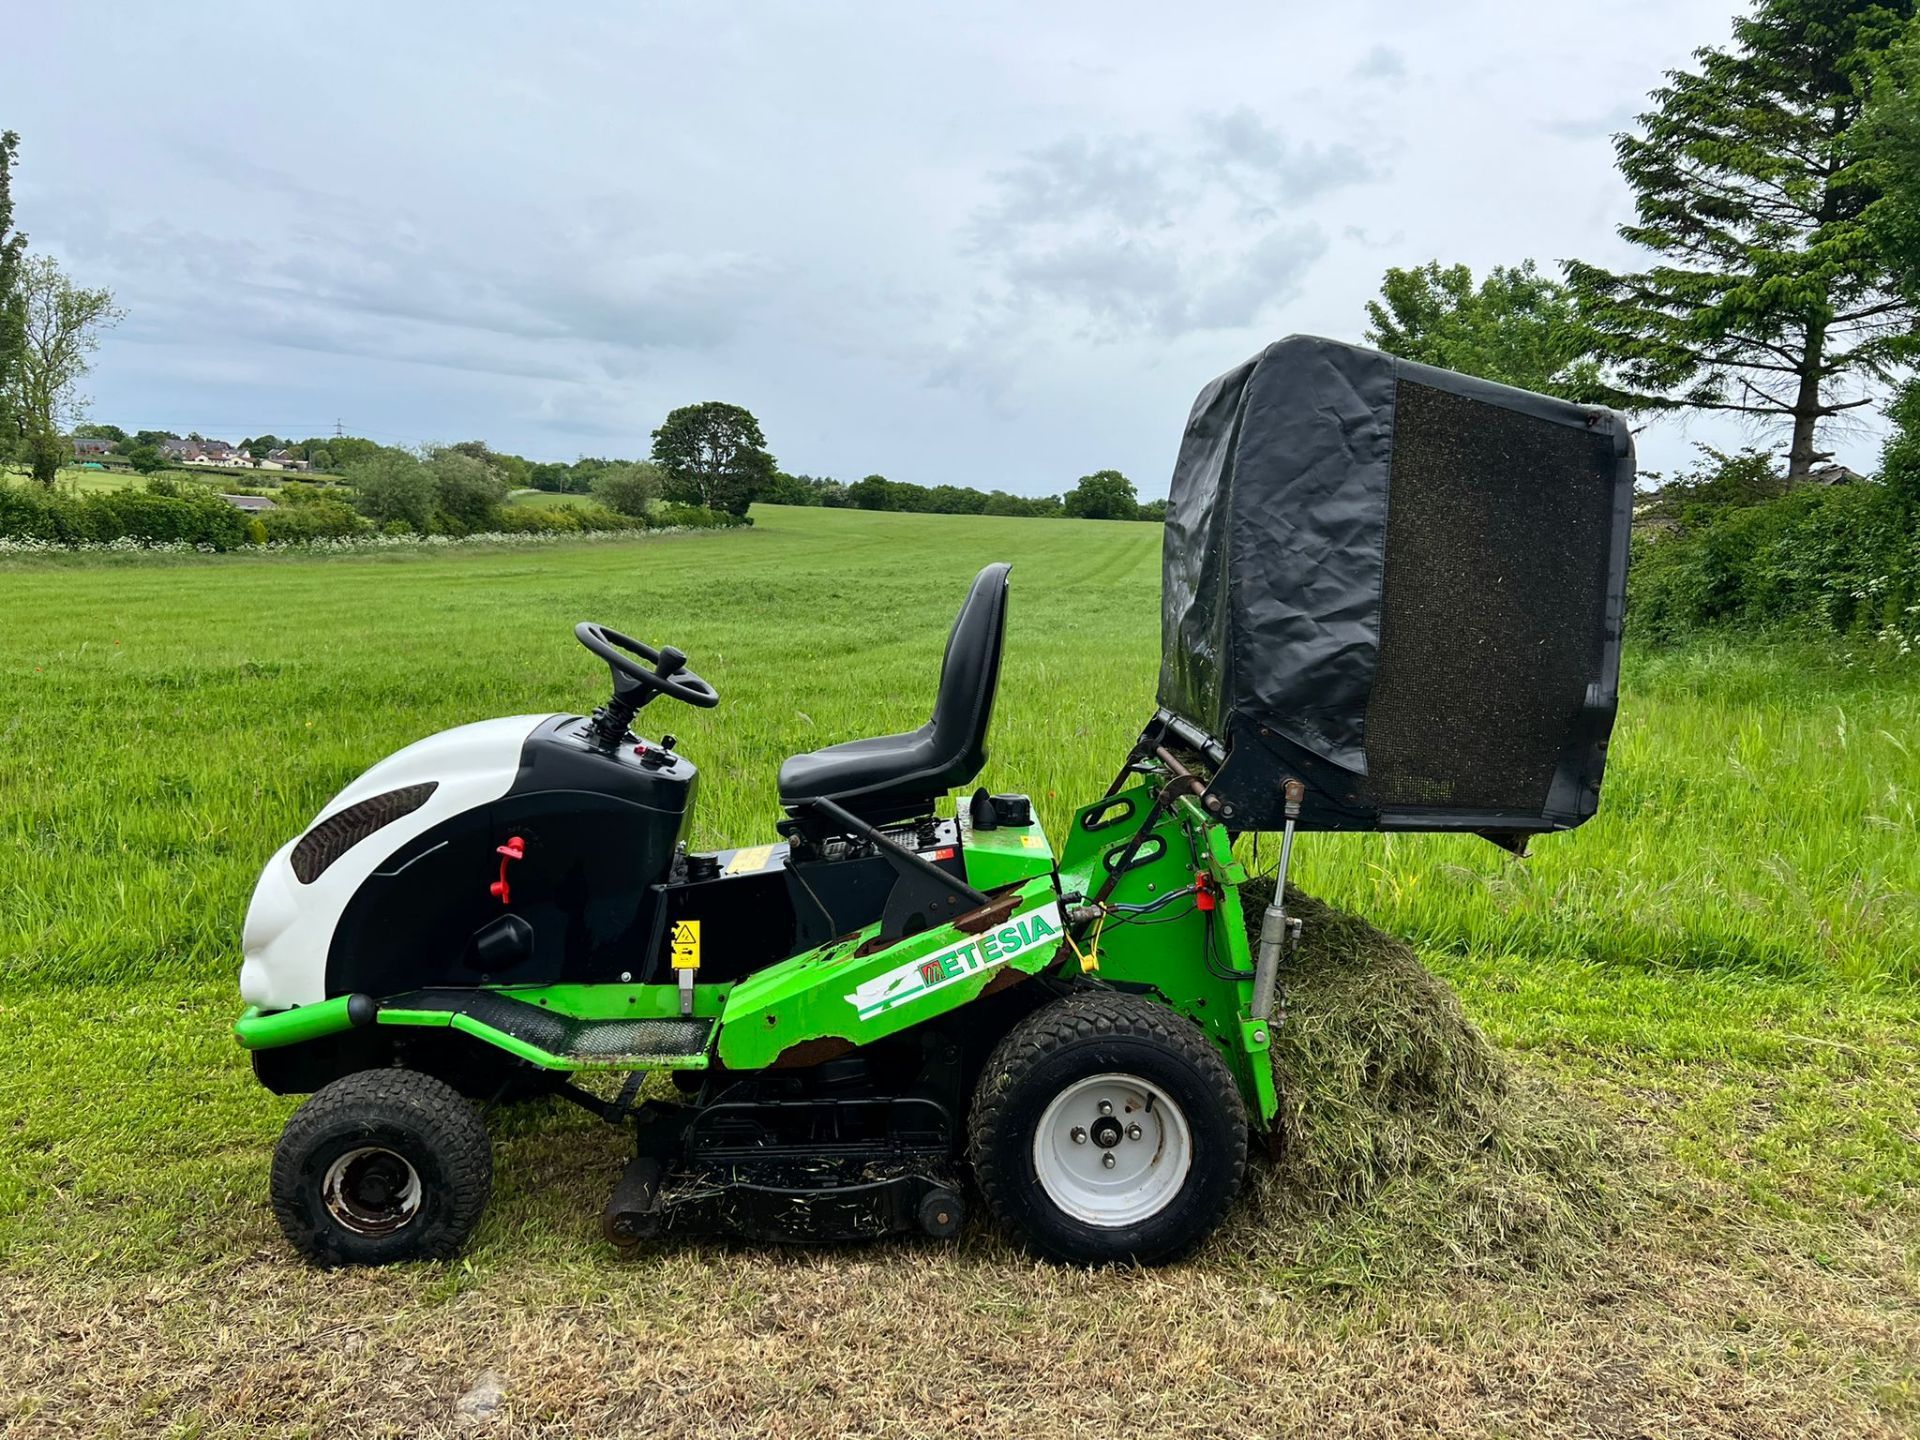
(514,849)
(1203,896)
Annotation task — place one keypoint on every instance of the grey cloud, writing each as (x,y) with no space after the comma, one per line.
(393,290)
(1120,178)
(1240,140)
(1130,286)
(1126,235)
(1382,62)
(1127,284)
(1267,273)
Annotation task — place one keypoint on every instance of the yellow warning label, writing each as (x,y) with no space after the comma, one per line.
(745,862)
(686,944)
(1032,842)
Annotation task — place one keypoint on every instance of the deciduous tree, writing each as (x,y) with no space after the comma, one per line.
(712,454)
(392,487)
(1517,326)
(467,493)
(329,452)
(1103,495)
(63,322)
(628,489)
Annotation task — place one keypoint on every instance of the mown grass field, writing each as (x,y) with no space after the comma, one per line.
(1726,962)
(78,477)
(548,499)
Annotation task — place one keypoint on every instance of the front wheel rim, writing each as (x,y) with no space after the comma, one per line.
(1112,1150)
(372,1191)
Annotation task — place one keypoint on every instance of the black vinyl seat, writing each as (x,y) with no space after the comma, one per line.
(898,777)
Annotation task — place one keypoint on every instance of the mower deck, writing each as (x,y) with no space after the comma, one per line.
(786,1160)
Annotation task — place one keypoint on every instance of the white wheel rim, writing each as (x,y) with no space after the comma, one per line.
(1122,1118)
(372,1191)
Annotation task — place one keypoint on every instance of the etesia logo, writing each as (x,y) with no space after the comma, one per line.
(975,954)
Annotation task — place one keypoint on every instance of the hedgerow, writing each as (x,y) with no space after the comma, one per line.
(34,519)
(1844,560)
(198,517)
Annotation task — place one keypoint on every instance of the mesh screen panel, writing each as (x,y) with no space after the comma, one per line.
(1493,610)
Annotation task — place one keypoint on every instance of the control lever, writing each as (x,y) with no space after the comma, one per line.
(514,849)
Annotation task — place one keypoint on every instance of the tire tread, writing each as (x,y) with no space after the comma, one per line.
(447,1121)
(1100,1014)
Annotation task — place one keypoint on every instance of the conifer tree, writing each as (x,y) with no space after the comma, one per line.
(1767,295)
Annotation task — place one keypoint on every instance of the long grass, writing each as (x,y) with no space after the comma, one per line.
(169,724)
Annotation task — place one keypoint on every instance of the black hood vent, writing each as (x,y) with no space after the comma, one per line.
(337,834)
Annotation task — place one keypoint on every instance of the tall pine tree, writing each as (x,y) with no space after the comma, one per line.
(1768,296)
(1891,132)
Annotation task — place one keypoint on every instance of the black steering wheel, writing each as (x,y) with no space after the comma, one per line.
(665,672)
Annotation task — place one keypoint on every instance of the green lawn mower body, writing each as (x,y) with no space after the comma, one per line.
(912,996)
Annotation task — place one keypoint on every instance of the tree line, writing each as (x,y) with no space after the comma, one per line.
(1103,495)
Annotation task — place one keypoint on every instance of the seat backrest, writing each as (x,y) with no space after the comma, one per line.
(969,676)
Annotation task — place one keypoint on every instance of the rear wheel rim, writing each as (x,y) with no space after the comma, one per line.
(1112,1150)
(372,1191)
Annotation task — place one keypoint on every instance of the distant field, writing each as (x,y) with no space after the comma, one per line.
(75,477)
(80,478)
(1727,961)
(547,499)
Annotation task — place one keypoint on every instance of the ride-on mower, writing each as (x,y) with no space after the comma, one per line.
(1392,601)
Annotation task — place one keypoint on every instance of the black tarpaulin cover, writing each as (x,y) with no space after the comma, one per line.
(1402,584)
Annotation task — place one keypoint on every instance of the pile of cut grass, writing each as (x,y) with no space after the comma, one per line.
(1407,1148)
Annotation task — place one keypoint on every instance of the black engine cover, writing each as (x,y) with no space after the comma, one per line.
(598,831)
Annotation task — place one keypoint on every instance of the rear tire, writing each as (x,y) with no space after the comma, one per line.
(379,1167)
(1106,1128)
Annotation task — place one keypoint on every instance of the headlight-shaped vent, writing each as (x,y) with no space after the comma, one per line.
(337,834)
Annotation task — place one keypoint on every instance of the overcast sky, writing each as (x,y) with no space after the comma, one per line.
(999,245)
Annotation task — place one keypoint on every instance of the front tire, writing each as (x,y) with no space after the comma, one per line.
(1106,1128)
(379,1167)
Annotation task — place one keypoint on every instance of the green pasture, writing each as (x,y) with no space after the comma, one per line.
(175,722)
(78,477)
(548,499)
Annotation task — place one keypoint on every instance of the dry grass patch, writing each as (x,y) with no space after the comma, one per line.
(912,1340)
